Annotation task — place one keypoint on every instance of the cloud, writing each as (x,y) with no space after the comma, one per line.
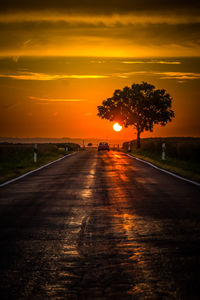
(101,6)
(179,75)
(152,62)
(53,100)
(101,28)
(71,38)
(162,75)
(95,20)
(43,76)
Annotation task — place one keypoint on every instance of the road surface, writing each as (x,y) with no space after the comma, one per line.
(99,226)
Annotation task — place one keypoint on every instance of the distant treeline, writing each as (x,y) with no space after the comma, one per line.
(176,147)
(46,147)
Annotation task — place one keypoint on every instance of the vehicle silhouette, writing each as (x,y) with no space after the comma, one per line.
(103,146)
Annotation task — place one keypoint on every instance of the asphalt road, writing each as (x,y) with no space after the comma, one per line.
(99,226)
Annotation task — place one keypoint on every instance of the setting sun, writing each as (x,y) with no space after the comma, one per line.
(117,127)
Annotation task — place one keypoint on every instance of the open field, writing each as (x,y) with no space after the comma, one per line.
(182,154)
(17,159)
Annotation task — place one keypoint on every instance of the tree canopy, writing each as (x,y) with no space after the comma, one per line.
(140,106)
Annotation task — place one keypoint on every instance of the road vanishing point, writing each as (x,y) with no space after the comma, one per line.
(99,225)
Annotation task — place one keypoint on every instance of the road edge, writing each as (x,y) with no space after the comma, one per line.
(165,171)
(35,170)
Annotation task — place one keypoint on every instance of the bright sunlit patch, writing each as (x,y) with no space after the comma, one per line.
(117,127)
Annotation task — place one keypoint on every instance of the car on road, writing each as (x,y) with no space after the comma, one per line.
(103,146)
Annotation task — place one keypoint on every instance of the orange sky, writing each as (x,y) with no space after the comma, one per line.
(58,62)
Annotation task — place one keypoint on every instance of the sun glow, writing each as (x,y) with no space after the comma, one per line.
(117,127)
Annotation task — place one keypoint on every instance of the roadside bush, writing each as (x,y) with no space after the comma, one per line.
(70,146)
(181,148)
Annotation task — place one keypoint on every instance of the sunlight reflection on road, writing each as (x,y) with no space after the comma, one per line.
(137,230)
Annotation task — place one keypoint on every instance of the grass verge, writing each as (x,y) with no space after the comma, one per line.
(187,169)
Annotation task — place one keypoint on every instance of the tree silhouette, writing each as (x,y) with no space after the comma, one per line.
(140,106)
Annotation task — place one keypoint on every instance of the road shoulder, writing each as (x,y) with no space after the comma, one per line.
(166,169)
(34,170)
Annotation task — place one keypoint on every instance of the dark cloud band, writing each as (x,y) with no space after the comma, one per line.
(101,6)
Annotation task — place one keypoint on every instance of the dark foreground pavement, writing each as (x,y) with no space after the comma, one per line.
(99,226)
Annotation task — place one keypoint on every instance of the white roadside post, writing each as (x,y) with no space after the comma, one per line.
(35,153)
(66,148)
(163,151)
(129,147)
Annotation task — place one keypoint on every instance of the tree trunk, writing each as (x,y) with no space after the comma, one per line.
(138,138)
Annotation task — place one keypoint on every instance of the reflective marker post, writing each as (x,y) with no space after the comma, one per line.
(129,147)
(35,153)
(163,151)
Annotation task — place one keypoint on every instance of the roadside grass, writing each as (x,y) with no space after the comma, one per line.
(182,155)
(185,169)
(17,159)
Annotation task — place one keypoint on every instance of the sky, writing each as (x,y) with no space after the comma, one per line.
(60,59)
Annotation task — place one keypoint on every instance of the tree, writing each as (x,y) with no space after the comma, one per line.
(140,106)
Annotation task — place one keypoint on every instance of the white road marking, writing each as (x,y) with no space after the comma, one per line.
(33,171)
(165,171)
